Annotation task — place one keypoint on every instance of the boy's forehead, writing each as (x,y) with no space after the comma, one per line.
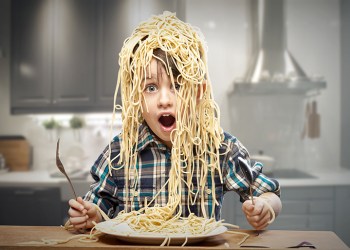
(152,68)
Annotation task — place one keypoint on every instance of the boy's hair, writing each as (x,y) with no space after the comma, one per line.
(164,57)
(198,135)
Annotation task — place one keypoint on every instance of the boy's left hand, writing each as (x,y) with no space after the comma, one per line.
(258,215)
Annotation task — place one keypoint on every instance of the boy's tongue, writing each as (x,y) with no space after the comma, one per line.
(167,120)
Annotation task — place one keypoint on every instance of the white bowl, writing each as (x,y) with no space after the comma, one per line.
(267,161)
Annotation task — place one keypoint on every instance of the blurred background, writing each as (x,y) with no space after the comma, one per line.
(280,74)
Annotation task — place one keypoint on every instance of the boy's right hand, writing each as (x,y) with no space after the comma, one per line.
(83,213)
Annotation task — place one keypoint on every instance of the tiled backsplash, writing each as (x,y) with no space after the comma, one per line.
(79,148)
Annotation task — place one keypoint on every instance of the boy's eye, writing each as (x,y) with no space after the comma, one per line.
(177,86)
(151,88)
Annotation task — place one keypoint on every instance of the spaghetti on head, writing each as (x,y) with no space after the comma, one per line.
(198,135)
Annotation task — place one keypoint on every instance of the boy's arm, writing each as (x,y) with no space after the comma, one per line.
(103,190)
(273,200)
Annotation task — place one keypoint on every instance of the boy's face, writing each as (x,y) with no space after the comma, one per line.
(159,102)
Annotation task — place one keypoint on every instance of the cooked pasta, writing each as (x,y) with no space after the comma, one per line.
(195,140)
(201,132)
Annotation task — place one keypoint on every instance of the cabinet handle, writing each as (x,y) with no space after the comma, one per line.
(24,192)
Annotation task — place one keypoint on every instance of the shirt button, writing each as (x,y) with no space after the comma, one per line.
(208,191)
(136,193)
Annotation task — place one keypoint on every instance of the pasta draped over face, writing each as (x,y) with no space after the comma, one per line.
(197,137)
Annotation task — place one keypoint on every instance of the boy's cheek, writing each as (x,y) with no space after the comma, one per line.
(200,91)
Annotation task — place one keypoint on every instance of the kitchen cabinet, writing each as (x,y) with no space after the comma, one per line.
(56,61)
(304,208)
(31,54)
(53,56)
(73,59)
(65,53)
(110,37)
(342,208)
(39,206)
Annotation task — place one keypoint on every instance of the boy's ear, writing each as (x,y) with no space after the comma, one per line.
(201,90)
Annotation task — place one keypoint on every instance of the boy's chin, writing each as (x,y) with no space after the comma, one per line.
(167,143)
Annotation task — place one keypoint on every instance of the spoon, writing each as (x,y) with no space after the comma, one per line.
(243,164)
(61,168)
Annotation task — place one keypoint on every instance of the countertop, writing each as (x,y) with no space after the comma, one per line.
(42,178)
(38,178)
(11,236)
(339,177)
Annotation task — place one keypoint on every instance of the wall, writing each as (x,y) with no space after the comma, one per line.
(315,41)
(345,83)
(313,38)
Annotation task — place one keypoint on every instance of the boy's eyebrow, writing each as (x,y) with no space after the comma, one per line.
(152,76)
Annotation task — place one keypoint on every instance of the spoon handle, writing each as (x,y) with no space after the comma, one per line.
(248,175)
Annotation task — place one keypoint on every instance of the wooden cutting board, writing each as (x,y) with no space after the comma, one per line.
(17,152)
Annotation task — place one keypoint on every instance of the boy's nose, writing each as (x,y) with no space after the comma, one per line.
(165,98)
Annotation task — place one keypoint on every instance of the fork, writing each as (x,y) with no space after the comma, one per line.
(61,168)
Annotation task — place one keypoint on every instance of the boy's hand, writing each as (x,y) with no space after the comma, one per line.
(83,213)
(258,215)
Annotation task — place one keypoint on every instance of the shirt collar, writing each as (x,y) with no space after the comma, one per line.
(147,137)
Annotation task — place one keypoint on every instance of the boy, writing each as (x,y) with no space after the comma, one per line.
(172,152)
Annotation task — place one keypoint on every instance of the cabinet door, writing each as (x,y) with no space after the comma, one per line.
(117,19)
(30,206)
(65,52)
(74,61)
(342,206)
(304,208)
(31,41)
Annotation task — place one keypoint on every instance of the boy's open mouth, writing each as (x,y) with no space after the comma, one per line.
(167,120)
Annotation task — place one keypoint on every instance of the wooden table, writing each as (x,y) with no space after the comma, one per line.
(10,236)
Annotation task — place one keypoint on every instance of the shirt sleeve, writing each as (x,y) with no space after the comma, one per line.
(102,191)
(235,180)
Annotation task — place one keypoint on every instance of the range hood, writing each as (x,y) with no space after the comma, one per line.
(273,69)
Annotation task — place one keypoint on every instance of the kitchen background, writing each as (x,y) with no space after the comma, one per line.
(58,67)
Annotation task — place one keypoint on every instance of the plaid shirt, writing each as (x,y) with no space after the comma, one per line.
(154,163)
